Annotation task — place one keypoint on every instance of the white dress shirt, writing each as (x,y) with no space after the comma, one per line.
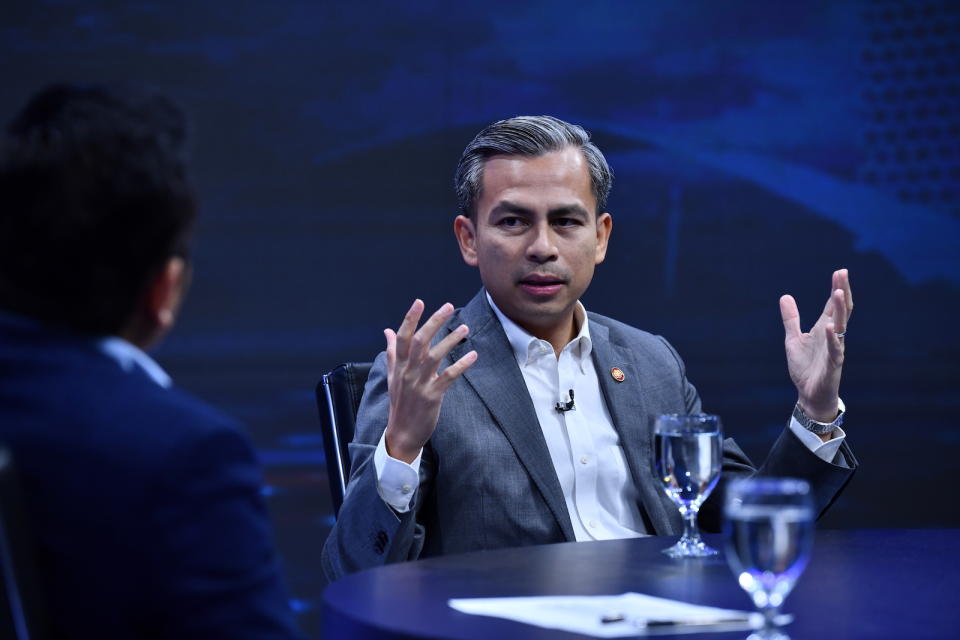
(584,446)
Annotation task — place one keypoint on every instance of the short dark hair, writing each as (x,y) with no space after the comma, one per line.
(94,199)
(527,136)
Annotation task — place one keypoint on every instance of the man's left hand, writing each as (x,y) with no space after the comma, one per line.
(815,359)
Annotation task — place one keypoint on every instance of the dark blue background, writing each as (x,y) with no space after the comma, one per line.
(757,146)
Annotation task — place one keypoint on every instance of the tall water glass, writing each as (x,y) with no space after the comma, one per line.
(687,458)
(769,536)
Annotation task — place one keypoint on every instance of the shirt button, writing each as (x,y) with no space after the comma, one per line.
(405,489)
(592,524)
(584,459)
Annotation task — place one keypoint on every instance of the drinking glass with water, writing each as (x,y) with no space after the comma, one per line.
(769,531)
(688,451)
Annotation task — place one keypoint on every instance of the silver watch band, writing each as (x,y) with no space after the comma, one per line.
(813,426)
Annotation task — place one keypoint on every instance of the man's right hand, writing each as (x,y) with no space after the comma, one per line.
(416,389)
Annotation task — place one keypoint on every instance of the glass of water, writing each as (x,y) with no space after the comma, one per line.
(687,458)
(769,536)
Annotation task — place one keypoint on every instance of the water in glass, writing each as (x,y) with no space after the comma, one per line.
(769,538)
(688,455)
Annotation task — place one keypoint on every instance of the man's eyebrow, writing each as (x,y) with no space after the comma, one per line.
(505,206)
(568,210)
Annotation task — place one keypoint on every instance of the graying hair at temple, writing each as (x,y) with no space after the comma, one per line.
(527,136)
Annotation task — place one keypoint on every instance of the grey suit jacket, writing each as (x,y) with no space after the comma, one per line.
(486,478)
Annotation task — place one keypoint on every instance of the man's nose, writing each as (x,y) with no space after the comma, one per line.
(543,245)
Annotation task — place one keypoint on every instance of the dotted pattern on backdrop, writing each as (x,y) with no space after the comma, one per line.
(912,101)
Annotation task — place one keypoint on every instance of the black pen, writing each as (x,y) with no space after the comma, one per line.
(611,618)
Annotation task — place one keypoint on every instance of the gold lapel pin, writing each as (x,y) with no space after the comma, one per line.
(617,374)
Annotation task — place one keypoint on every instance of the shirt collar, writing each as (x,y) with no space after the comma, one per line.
(117,349)
(128,356)
(528,348)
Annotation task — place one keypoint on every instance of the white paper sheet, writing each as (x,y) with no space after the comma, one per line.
(584,614)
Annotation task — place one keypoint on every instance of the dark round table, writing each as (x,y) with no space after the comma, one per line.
(859,584)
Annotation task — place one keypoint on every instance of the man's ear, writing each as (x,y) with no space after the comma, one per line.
(466,233)
(604,229)
(165,293)
(157,309)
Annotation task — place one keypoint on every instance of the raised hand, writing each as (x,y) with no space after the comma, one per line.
(416,388)
(815,358)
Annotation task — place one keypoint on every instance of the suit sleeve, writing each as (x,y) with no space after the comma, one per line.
(368,532)
(788,457)
(214,559)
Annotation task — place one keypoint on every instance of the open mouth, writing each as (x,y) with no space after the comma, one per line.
(542,285)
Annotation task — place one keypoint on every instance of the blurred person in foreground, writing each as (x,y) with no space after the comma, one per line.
(468,437)
(144,502)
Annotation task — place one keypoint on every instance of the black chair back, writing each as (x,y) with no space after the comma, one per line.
(338,398)
(21,610)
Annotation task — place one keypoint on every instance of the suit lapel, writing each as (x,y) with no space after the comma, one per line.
(497,379)
(630,418)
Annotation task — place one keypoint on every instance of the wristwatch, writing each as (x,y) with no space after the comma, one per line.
(813,426)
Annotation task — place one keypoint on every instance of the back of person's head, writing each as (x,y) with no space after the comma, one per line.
(527,136)
(94,199)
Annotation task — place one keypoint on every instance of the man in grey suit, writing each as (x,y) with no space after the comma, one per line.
(523,419)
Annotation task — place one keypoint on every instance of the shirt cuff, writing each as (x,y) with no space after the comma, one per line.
(826,451)
(397,481)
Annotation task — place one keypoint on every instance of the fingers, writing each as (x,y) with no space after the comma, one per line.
(409,348)
(790,315)
(841,306)
(405,334)
(841,280)
(423,337)
(838,300)
(391,353)
(416,389)
(391,347)
(451,373)
(442,348)
(412,343)
(834,344)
